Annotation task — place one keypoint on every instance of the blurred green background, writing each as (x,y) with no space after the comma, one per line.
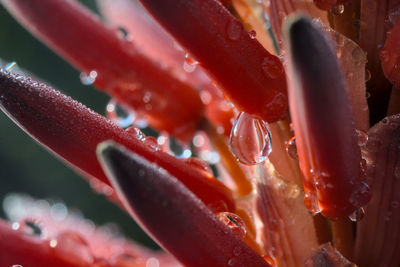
(26,167)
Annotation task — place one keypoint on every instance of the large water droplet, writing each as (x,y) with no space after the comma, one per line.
(357,215)
(234,29)
(88,78)
(135,131)
(233,222)
(151,142)
(291,148)
(17,265)
(250,140)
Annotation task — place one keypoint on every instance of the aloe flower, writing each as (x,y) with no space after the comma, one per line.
(286,112)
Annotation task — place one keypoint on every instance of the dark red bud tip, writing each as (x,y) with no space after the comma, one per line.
(323,121)
(171,213)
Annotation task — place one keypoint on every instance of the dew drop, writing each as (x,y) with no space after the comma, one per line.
(362,138)
(72,245)
(152,262)
(250,140)
(358,56)
(361,195)
(118,114)
(199,164)
(338,10)
(234,29)
(10,66)
(394,204)
(30,227)
(367,75)
(384,56)
(291,148)
(357,215)
(151,143)
(252,34)
(122,33)
(189,65)
(88,78)
(272,68)
(234,223)
(17,265)
(135,131)
(231,262)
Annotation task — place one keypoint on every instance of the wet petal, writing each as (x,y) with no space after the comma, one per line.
(227,52)
(390,56)
(326,255)
(378,236)
(326,139)
(122,70)
(67,236)
(72,131)
(288,231)
(171,214)
(374,25)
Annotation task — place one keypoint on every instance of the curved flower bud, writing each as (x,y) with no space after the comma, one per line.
(121,70)
(171,214)
(73,132)
(252,78)
(326,138)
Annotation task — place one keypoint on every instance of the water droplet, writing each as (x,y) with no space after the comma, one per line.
(72,245)
(252,34)
(394,204)
(17,265)
(88,78)
(272,67)
(367,75)
(199,165)
(270,259)
(234,223)
(358,56)
(388,216)
(118,114)
(135,131)
(291,148)
(361,195)
(384,56)
(123,33)
(362,138)
(311,203)
(152,262)
(231,261)
(250,140)
(357,215)
(30,227)
(338,10)
(10,66)
(234,29)
(340,39)
(151,142)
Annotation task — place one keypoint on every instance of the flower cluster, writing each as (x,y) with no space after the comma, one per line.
(284,112)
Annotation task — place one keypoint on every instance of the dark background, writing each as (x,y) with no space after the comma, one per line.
(26,167)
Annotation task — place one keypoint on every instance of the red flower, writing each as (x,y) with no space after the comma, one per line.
(254,214)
